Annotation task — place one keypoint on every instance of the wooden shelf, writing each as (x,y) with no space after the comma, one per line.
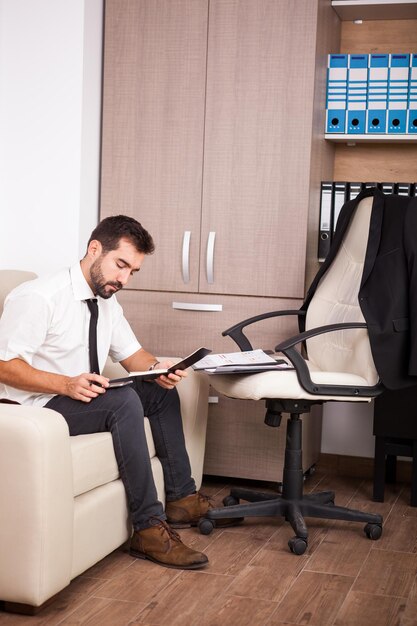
(352,139)
(350,10)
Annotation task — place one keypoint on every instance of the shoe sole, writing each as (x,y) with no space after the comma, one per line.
(141,555)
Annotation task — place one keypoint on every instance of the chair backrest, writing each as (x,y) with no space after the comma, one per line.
(9,279)
(336,301)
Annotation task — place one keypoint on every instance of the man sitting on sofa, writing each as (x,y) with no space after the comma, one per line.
(45,360)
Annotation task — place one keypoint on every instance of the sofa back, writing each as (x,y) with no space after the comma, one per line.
(9,279)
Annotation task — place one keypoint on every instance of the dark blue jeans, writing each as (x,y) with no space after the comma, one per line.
(121,412)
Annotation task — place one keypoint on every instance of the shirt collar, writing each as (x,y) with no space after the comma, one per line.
(80,287)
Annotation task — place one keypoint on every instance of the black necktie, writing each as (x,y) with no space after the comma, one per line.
(92,335)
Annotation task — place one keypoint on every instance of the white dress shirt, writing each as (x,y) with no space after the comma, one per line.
(45,322)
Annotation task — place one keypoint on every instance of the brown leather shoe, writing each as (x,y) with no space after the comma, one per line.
(187,511)
(162,545)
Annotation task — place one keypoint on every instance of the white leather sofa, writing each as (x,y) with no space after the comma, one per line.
(63,505)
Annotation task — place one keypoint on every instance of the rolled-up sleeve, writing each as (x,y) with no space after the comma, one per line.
(23,326)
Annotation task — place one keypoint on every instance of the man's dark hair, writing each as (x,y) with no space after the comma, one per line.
(110,230)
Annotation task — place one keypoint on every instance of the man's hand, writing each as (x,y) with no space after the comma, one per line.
(170,381)
(86,387)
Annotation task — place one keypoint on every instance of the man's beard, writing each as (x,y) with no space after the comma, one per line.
(99,284)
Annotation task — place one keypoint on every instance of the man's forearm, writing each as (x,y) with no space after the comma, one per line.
(20,375)
(141,361)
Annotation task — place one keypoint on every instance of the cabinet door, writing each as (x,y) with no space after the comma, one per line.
(153,125)
(260,91)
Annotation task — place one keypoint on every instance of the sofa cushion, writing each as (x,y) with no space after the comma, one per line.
(93,459)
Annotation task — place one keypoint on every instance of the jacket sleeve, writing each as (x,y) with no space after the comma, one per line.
(410,245)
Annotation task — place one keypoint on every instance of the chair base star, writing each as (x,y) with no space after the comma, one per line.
(293,504)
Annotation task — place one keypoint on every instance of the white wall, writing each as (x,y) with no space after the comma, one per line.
(50,103)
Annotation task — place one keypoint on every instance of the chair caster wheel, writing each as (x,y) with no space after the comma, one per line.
(205,526)
(373,531)
(230,501)
(297,545)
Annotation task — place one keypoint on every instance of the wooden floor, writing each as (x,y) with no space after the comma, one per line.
(343,579)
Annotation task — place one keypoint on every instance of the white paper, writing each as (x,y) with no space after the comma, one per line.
(251,357)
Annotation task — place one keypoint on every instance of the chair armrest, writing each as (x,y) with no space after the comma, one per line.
(236,331)
(314,332)
(287,347)
(37,504)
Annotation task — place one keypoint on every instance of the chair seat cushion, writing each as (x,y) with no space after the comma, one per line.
(282,384)
(93,460)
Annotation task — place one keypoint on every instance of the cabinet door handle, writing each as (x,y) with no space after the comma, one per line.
(210,256)
(196,306)
(186,256)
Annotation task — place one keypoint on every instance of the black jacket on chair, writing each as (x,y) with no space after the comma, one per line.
(388,291)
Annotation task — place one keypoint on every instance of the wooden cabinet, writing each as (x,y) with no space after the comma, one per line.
(239,443)
(207,139)
(212,138)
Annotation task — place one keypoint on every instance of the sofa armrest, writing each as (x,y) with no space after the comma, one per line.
(193,392)
(113,370)
(37,504)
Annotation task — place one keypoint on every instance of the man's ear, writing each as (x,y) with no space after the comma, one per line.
(94,249)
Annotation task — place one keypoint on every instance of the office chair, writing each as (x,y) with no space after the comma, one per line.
(339,367)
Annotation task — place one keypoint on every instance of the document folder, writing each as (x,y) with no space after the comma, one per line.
(337,68)
(377,93)
(357,88)
(339,199)
(388,188)
(325,219)
(280,364)
(354,190)
(403,189)
(399,66)
(247,362)
(412,96)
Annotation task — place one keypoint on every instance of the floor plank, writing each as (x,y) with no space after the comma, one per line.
(185,601)
(388,573)
(364,609)
(314,599)
(104,612)
(141,582)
